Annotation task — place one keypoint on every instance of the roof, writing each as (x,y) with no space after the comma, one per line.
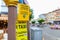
(54,11)
(4,13)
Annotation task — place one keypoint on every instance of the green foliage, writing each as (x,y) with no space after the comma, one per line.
(40,21)
(31,16)
(33,22)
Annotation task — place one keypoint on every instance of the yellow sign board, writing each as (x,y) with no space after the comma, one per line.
(23,12)
(21,31)
(23,16)
(24,7)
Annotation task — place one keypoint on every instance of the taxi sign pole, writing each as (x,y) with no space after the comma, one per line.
(12,22)
(12,11)
(28,30)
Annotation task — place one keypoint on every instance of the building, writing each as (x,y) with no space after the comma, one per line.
(53,16)
(3,16)
(50,17)
(57,15)
(57,20)
(42,16)
(3,7)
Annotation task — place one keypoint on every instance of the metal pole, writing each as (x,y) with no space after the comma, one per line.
(28,28)
(12,11)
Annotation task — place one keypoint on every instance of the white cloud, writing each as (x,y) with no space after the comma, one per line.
(43,6)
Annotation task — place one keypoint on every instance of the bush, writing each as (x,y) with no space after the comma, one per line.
(33,22)
(40,21)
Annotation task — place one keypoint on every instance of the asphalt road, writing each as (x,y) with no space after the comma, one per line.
(50,34)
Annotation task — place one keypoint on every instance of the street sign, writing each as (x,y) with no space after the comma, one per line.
(23,12)
(21,31)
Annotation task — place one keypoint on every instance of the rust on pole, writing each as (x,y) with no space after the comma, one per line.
(12,12)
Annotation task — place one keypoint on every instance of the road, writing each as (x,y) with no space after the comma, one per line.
(51,34)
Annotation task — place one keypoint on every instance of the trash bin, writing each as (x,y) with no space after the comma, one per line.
(36,33)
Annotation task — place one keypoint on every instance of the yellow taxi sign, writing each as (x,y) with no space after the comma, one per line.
(21,31)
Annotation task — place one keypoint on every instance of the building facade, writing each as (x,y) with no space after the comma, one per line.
(53,16)
(50,17)
(42,16)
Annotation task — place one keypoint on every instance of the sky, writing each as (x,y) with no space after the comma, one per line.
(39,6)
(43,6)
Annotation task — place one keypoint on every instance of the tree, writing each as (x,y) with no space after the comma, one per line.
(31,16)
(40,21)
(33,22)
